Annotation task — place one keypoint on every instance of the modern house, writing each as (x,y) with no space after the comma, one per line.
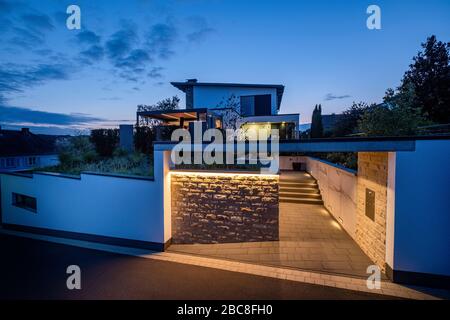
(230,106)
(23,150)
(392,212)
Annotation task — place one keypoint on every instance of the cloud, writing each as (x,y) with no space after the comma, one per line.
(39,22)
(17,78)
(92,54)
(17,115)
(30,33)
(7,6)
(26,38)
(331,96)
(132,57)
(155,73)
(135,61)
(160,40)
(88,37)
(4,24)
(121,42)
(200,27)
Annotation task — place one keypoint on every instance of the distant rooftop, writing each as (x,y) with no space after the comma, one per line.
(24,143)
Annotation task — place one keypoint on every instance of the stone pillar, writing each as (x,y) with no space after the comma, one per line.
(370,231)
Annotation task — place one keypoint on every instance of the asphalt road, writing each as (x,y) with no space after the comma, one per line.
(33,269)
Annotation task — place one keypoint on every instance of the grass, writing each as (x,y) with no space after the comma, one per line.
(133,164)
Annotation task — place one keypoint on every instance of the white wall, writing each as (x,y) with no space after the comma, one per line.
(338,187)
(390,209)
(422,208)
(210,97)
(99,205)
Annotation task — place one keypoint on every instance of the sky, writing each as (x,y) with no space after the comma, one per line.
(55,80)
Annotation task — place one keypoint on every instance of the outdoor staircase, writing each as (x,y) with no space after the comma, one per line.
(299,187)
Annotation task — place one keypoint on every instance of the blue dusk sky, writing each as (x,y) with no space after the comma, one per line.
(57,80)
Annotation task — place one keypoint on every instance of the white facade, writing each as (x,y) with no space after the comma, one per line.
(16,163)
(101,205)
(211,96)
(421,219)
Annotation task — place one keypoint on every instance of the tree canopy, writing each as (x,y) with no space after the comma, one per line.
(316,122)
(423,98)
(429,77)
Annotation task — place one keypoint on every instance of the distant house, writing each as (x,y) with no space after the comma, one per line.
(23,150)
(216,105)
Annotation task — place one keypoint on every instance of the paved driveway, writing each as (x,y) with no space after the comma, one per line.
(310,239)
(33,269)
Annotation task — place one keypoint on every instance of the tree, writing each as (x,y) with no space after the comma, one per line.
(397,115)
(229,110)
(105,141)
(316,122)
(163,105)
(348,123)
(143,139)
(74,151)
(429,76)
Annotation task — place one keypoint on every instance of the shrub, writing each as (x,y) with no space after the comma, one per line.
(105,141)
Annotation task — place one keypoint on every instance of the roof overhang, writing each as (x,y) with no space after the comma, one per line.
(173,115)
(358,144)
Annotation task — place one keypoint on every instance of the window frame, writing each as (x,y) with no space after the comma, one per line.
(21,203)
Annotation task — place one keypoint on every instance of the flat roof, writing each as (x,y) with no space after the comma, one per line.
(183,85)
(176,114)
(356,144)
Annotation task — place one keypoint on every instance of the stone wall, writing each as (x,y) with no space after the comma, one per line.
(219,208)
(371,235)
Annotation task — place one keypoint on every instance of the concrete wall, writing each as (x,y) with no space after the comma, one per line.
(98,205)
(210,97)
(101,205)
(221,208)
(422,209)
(343,193)
(337,186)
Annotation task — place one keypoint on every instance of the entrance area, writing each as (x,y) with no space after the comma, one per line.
(309,238)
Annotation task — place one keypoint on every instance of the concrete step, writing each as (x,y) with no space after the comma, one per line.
(304,201)
(284,179)
(301,195)
(299,190)
(298,184)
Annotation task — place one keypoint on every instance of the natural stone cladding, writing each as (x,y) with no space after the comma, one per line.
(371,235)
(224,208)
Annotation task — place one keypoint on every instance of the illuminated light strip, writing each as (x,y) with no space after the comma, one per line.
(209,173)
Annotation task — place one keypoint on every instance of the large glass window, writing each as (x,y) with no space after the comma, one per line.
(248,105)
(258,105)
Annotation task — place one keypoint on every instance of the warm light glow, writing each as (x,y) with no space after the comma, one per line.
(209,173)
(336,225)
